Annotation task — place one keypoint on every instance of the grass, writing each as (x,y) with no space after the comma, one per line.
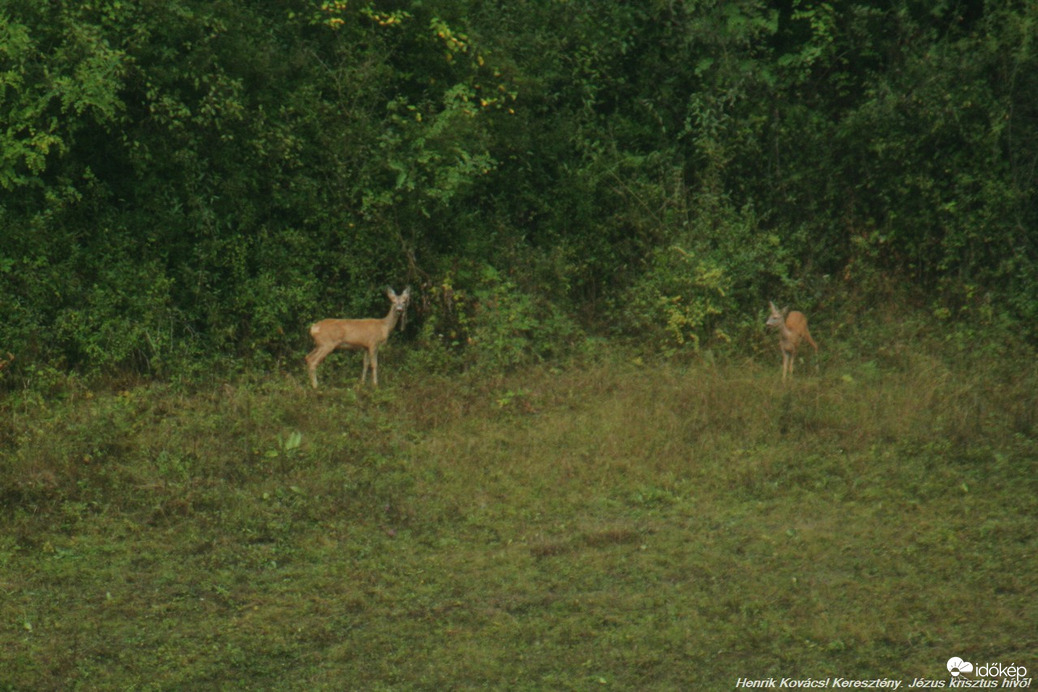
(612,525)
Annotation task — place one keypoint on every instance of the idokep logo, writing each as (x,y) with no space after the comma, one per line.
(988,673)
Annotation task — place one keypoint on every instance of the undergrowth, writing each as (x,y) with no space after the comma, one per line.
(618,524)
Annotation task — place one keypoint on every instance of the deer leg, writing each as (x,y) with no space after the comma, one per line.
(374,367)
(313,359)
(367,363)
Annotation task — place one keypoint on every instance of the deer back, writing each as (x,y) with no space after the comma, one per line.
(796,329)
(351,334)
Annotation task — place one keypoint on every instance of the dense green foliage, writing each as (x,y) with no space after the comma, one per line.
(190,179)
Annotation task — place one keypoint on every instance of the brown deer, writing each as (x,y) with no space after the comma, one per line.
(5,363)
(792,328)
(357,335)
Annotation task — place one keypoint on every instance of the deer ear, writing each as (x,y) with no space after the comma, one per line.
(390,292)
(407,292)
(772,306)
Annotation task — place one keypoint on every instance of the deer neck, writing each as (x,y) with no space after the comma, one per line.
(391,320)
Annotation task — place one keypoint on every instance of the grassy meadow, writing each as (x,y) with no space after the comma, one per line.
(613,523)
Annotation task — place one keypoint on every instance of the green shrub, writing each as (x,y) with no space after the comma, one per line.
(482,319)
(677,301)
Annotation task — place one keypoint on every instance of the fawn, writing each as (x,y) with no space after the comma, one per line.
(792,328)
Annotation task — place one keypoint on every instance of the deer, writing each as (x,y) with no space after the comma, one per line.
(5,363)
(357,335)
(792,328)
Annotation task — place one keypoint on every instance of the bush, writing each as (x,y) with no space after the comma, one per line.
(710,281)
(677,301)
(482,319)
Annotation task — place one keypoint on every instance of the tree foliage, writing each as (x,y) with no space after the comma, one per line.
(182,179)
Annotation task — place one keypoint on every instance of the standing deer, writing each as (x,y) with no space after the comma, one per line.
(357,335)
(792,328)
